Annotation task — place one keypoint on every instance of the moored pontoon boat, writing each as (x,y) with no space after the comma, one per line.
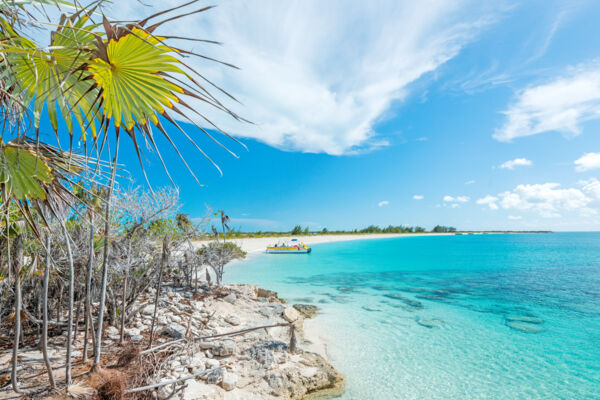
(293,247)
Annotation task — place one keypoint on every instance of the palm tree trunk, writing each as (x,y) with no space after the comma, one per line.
(77,316)
(70,311)
(124,305)
(91,326)
(163,262)
(17,262)
(59,305)
(44,343)
(88,290)
(113,171)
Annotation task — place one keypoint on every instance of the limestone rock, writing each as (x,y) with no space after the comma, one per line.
(233,320)
(271,310)
(265,293)
(307,310)
(230,298)
(290,314)
(132,331)
(193,389)
(224,348)
(215,376)
(229,381)
(317,377)
(197,362)
(148,310)
(175,330)
(136,338)
(111,330)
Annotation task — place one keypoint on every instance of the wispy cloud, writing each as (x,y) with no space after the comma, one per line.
(560,106)
(587,162)
(470,182)
(418,197)
(515,217)
(457,199)
(383,203)
(517,162)
(316,76)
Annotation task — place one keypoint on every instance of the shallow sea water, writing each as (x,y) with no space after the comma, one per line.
(451,317)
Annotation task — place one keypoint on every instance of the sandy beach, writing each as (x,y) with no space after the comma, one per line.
(257,245)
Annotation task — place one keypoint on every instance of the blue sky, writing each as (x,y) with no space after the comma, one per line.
(400,112)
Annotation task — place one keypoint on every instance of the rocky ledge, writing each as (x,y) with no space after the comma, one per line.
(258,364)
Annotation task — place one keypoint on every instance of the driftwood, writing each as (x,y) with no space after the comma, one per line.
(185,378)
(234,333)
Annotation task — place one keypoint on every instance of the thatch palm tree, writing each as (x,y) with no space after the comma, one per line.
(91,199)
(35,180)
(124,78)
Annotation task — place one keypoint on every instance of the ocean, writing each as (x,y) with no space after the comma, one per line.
(499,316)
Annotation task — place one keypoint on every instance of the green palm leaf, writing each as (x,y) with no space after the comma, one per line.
(23,173)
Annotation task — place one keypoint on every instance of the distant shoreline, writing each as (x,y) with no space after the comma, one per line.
(255,245)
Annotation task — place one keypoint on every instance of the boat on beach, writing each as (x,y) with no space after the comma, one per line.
(294,246)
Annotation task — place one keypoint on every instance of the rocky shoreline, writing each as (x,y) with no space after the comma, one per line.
(258,364)
(207,344)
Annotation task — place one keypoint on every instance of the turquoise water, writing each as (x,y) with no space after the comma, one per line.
(451,317)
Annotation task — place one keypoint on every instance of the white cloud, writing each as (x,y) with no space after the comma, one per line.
(490,201)
(517,162)
(458,199)
(418,197)
(561,105)
(515,217)
(469,182)
(591,187)
(587,162)
(383,203)
(317,76)
(548,199)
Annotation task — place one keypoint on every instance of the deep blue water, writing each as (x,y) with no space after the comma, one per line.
(451,317)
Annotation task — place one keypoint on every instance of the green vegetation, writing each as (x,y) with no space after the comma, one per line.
(217,254)
(96,81)
(297,230)
(442,229)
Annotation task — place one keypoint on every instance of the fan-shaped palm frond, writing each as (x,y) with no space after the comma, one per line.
(124,74)
(38,176)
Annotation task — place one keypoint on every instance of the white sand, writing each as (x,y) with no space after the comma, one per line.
(256,245)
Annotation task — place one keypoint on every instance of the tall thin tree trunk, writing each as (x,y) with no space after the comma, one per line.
(88,290)
(59,305)
(44,343)
(76,322)
(124,294)
(124,305)
(163,261)
(219,274)
(106,253)
(17,262)
(70,311)
(91,326)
